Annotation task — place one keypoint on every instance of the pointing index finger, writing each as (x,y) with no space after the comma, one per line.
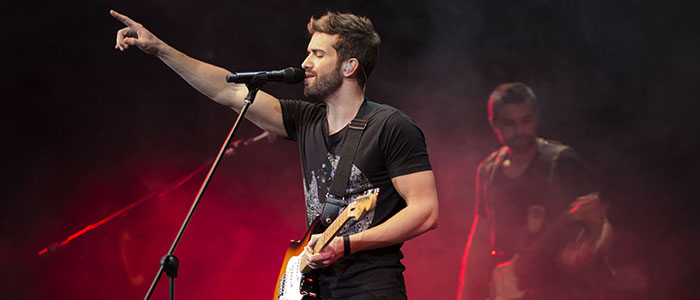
(122,18)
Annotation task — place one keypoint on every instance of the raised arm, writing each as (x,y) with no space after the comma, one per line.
(208,79)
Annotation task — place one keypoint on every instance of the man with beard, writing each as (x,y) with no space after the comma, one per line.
(365,262)
(539,231)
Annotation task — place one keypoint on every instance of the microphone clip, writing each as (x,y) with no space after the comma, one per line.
(254,85)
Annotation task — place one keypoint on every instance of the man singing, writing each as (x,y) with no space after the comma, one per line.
(391,154)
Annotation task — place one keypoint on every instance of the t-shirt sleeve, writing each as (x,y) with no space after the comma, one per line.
(576,176)
(294,113)
(404,146)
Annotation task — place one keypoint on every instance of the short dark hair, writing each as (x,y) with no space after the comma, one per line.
(356,39)
(509,93)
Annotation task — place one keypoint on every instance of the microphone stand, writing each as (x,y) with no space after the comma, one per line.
(169,263)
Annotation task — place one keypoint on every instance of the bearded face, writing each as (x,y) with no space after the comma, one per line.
(520,143)
(323,84)
(322,67)
(516,126)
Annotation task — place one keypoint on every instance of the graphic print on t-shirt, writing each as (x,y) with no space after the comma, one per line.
(318,186)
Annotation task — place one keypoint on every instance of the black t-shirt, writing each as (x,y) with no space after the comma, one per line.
(523,211)
(531,198)
(391,145)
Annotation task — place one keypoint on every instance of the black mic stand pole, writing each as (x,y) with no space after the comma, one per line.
(169,263)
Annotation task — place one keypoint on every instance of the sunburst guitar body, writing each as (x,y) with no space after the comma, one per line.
(296,280)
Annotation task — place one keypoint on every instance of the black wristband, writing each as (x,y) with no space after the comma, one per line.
(346,245)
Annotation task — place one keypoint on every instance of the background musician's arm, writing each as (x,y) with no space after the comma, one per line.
(578,179)
(475,262)
(589,210)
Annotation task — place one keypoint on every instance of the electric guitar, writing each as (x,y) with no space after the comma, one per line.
(295,281)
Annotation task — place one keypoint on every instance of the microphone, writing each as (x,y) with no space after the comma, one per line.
(288,75)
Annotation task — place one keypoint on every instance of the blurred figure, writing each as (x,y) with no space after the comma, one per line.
(539,229)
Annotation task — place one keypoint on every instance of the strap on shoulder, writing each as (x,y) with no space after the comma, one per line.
(549,155)
(335,198)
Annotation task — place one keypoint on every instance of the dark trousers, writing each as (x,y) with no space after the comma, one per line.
(386,294)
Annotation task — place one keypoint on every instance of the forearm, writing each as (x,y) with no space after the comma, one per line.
(408,223)
(475,274)
(475,262)
(601,235)
(205,78)
(210,80)
(587,248)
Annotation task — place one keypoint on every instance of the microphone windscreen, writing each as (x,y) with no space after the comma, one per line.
(293,75)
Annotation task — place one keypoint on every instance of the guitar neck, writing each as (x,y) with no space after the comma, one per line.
(327,236)
(332,230)
(356,210)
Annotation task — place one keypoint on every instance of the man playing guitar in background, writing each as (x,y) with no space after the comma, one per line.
(539,231)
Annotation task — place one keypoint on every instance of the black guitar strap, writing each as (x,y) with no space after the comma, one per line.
(335,198)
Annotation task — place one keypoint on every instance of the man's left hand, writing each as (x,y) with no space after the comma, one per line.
(328,255)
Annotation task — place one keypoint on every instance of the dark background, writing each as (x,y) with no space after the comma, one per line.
(88,130)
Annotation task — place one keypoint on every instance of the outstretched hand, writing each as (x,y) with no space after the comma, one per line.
(134,34)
